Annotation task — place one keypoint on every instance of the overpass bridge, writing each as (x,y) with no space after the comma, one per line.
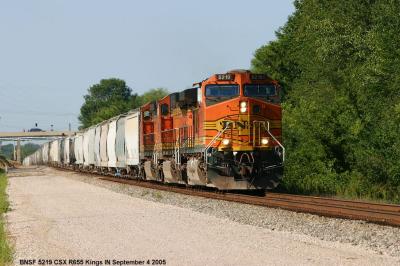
(26,136)
(34,135)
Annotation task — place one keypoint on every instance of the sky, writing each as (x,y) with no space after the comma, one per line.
(52,51)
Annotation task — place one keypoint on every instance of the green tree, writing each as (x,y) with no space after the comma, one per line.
(26,149)
(109,98)
(112,97)
(7,151)
(339,64)
(151,95)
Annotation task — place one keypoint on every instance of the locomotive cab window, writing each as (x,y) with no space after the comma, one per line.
(259,90)
(219,93)
(164,109)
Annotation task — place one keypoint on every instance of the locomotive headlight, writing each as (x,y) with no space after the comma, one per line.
(264,141)
(243,107)
(226,142)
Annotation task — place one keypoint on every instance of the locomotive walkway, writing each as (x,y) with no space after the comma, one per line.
(54,216)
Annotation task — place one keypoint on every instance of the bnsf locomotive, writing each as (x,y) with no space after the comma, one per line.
(225,132)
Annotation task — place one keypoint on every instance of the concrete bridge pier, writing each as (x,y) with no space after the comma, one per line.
(18,159)
(17,151)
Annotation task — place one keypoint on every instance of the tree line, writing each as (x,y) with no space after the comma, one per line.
(112,97)
(338,62)
(26,149)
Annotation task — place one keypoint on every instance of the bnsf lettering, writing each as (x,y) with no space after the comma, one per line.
(236,124)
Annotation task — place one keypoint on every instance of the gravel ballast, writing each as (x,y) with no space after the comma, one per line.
(380,239)
(65,215)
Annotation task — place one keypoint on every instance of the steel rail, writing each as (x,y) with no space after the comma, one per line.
(386,214)
(340,202)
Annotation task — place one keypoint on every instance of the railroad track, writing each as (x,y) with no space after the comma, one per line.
(386,214)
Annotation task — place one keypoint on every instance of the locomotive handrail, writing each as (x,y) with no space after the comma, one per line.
(277,141)
(177,137)
(189,136)
(212,142)
(179,142)
(177,148)
(273,137)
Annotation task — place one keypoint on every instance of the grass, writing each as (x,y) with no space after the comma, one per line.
(157,195)
(352,187)
(6,253)
(144,193)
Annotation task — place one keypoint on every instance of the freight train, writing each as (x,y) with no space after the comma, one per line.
(224,132)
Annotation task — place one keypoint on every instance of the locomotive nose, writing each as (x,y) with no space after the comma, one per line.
(250,106)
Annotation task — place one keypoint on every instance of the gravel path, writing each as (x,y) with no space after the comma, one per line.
(55,215)
(378,238)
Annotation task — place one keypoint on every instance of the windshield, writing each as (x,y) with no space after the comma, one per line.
(219,93)
(259,90)
(222,90)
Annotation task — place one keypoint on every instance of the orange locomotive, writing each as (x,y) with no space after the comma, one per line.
(223,133)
